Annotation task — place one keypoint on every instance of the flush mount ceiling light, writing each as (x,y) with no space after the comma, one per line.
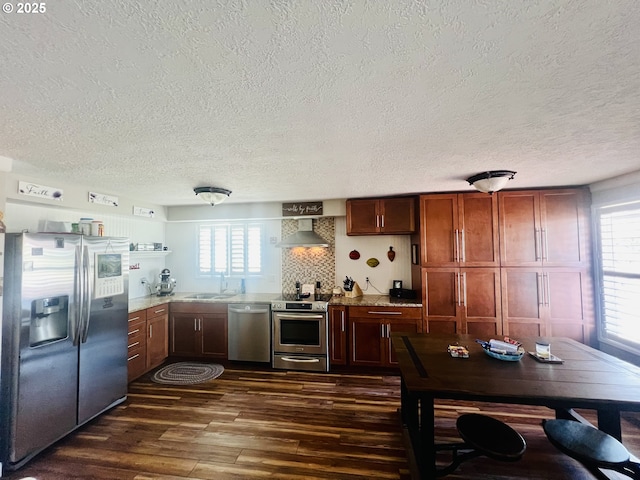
(492,181)
(212,195)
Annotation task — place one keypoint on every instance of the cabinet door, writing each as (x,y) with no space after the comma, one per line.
(397,326)
(439,230)
(523,302)
(478,227)
(363,217)
(520,228)
(397,215)
(569,304)
(157,340)
(213,335)
(337,335)
(481,302)
(184,327)
(367,342)
(441,300)
(565,232)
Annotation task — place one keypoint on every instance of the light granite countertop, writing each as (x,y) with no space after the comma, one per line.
(374,301)
(140,303)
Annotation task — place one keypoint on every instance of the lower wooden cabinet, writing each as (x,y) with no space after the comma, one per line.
(337,335)
(157,335)
(370,333)
(148,339)
(554,302)
(198,330)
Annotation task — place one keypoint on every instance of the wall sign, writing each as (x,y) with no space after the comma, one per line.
(40,191)
(301,208)
(143,212)
(103,199)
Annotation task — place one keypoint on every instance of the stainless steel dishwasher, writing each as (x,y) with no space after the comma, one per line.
(249,327)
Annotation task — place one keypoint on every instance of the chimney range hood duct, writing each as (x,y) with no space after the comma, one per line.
(304,237)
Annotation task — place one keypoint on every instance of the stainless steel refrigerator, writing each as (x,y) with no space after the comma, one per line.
(64,337)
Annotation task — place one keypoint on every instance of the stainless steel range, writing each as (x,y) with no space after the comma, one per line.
(300,332)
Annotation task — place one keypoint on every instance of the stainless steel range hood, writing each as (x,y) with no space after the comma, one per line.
(304,237)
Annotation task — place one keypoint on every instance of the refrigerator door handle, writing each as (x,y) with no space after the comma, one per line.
(86,300)
(77,294)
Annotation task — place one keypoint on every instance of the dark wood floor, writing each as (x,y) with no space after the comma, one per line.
(281,425)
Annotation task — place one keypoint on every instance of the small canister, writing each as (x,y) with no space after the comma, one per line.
(85,225)
(97,228)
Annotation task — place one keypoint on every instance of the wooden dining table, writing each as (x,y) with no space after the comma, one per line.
(586,379)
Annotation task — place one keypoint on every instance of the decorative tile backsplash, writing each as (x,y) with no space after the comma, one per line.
(310,265)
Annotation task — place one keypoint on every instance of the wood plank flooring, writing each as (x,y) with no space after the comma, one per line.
(264,424)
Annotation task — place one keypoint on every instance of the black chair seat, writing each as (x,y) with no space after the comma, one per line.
(491,437)
(585,443)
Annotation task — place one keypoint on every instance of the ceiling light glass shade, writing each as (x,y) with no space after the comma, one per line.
(489,182)
(212,195)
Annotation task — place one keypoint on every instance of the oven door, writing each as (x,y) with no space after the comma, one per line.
(297,332)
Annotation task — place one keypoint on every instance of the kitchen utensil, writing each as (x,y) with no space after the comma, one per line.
(391,255)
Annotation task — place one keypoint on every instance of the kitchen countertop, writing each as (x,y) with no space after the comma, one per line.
(140,303)
(374,301)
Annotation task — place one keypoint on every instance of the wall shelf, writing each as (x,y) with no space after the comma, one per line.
(149,253)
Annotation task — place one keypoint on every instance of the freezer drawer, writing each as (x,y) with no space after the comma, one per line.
(249,337)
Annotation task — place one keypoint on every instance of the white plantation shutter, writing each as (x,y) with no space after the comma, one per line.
(619,242)
(254,250)
(233,249)
(237,247)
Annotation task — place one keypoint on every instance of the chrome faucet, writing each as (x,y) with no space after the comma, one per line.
(223,283)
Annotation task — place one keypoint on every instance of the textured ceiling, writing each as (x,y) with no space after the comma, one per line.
(303,100)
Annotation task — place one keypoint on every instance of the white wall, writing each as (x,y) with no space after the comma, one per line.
(373,246)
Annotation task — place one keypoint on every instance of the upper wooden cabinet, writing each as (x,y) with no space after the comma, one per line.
(459,230)
(381,216)
(544,227)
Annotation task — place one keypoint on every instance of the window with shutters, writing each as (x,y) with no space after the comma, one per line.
(619,275)
(231,249)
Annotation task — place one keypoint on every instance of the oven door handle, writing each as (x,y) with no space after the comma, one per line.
(302,316)
(300,359)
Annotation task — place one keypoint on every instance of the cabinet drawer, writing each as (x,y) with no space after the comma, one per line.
(386,312)
(157,311)
(137,316)
(137,335)
(136,362)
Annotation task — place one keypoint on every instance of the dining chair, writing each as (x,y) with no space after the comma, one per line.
(590,446)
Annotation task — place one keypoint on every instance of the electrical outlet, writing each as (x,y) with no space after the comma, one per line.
(367,279)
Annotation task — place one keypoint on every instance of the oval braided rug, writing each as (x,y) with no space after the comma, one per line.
(187,373)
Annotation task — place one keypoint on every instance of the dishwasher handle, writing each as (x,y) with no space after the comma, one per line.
(238,310)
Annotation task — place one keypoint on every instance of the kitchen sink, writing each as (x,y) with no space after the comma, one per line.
(210,296)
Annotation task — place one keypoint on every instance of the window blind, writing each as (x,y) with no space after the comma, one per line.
(619,242)
(230,249)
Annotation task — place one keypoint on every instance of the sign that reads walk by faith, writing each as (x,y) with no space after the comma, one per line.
(301,208)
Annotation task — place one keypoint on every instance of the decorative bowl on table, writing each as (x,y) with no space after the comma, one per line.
(507,357)
(508,350)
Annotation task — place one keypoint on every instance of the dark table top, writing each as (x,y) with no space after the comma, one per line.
(588,378)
